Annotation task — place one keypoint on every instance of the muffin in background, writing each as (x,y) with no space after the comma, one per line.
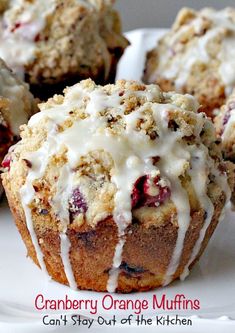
(197,56)
(3,5)
(225,128)
(55,43)
(117,188)
(16,106)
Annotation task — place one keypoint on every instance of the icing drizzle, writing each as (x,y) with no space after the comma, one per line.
(179,67)
(19,26)
(132,152)
(199,176)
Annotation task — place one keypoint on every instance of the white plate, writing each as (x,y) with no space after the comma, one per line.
(212,280)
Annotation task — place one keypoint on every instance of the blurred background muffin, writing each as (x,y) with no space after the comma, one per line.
(225,127)
(197,56)
(55,43)
(16,106)
(3,5)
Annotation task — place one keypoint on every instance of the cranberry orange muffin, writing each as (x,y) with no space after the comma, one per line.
(55,43)
(197,56)
(16,107)
(117,188)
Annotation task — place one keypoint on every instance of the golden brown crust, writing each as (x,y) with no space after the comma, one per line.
(146,254)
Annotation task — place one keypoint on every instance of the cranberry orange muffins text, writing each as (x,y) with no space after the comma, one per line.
(197,56)
(16,107)
(55,43)
(117,188)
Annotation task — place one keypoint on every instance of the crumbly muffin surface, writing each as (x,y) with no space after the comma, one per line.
(49,42)
(128,152)
(225,126)
(16,106)
(197,56)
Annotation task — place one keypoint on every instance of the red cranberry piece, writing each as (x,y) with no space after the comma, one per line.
(149,192)
(137,192)
(136,196)
(77,203)
(155,194)
(6,163)
(16,26)
(37,38)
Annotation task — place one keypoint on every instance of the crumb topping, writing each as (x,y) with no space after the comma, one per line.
(197,40)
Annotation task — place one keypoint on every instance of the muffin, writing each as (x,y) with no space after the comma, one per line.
(197,56)
(56,43)
(3,5)
(117,188)
(16,107)
(225,127)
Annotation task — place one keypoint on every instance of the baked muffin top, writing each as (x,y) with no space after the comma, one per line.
(49,38)
(199,41)
(127,150)
(104,139)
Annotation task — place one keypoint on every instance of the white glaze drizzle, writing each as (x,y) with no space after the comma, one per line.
(179,68)
(199,176)
(174,157)
(40,160)
(60,204)
(222,181)
(132,153)
(27,193)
